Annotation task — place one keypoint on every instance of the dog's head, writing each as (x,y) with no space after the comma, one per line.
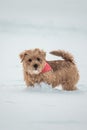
(33,61)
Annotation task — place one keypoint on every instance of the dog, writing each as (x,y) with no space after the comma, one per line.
(37,69)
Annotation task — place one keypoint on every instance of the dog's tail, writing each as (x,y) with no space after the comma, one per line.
(65,55)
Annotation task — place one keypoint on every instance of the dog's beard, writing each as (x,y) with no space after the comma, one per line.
(36,72)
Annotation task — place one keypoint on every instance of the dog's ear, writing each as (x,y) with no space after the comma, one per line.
(43,53)
(22,55)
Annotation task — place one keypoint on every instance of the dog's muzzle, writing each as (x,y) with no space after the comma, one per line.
(35,66)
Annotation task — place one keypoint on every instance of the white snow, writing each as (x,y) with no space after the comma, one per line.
(48,25)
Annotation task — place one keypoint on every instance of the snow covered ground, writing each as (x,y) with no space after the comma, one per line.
(48,25)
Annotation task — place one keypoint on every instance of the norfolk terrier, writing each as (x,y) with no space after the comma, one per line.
(37,69)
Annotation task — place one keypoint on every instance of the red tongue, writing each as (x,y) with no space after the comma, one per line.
(46,68)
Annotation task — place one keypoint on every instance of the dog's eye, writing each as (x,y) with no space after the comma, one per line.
(38,59)
(30,60)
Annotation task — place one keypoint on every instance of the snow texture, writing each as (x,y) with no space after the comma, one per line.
(48,25)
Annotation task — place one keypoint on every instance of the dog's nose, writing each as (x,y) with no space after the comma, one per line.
(35,66)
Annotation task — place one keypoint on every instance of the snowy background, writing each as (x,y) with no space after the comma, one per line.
(49,25)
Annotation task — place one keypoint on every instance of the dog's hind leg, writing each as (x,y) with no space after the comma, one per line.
(69,87)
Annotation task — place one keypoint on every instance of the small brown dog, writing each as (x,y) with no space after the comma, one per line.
(59,72)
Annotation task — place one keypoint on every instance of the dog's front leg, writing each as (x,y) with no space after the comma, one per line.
(29,84)
(28,80)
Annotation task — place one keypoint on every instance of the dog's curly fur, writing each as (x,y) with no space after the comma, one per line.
(64,72)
